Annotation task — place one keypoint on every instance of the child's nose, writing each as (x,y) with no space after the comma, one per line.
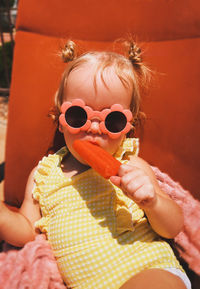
(95,128)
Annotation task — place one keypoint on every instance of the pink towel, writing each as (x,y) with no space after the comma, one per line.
(188,240)
(32,267)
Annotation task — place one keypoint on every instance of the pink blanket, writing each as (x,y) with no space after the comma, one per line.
(34,266)
(188,240)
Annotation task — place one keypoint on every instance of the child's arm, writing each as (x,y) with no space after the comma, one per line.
(17,228)
(138,181)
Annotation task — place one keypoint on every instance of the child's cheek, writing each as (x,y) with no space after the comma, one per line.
(114,144)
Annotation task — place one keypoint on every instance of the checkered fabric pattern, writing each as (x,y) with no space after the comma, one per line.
(99,236)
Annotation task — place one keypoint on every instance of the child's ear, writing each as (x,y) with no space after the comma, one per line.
(60,128)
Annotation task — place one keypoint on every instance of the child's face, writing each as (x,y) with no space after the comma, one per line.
(80,84)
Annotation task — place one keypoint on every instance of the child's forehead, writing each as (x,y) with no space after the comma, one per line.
(93,75)
(94,85)
(93,71)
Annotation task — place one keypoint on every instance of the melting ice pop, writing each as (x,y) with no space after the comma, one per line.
(96,157)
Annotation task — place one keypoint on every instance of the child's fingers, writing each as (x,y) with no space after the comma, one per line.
(135,184)
(124,169)
(130,186)
(144,196)
(131,175)
(115,180)
(138,188)
(127,173)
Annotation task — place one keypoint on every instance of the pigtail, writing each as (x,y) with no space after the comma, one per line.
(68,53)
(134,54)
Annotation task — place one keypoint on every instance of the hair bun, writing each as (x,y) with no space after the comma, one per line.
(68,53)
(134,53)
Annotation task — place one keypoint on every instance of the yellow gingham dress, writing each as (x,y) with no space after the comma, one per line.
(99,236)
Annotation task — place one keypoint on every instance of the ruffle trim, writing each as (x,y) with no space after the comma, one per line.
(130,146)
(128,214)
(42,224)
(48,166)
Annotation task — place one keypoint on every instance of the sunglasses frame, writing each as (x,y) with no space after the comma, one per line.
(94,114)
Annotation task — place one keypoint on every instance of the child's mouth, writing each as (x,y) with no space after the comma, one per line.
(93,140)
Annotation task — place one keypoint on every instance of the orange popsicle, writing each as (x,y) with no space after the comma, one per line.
(97,158)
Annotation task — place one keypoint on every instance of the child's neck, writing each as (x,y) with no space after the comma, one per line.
(71,166)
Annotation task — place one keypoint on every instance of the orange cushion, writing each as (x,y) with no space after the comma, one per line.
(171,135)
(107,20)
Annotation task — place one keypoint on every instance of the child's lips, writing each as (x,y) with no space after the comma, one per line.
(93,141)
(100,140)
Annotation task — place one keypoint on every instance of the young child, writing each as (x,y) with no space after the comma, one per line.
(104,233)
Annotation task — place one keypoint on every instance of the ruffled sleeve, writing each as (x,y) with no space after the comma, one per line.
(128,214)
(130,146)
(48,177)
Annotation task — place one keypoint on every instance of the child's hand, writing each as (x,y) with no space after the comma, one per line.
(136,184)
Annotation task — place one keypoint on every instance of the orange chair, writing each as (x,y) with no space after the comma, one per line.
(171,34)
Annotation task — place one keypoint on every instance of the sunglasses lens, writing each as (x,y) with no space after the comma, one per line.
(76,116)
(115,121)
